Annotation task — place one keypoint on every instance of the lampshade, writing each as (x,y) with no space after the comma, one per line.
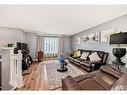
(118,38)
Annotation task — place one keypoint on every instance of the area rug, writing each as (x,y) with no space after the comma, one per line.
(54,77)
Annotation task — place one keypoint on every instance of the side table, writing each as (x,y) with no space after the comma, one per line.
(40,56)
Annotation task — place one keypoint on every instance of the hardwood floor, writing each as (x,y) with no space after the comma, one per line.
(36,79)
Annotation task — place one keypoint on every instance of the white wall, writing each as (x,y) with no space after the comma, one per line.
(30,39)
(11,35)
(8,35)
(66,44)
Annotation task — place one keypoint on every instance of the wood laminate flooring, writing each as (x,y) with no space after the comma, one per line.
(35,78)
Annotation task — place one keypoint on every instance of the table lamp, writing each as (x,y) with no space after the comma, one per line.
(118,39)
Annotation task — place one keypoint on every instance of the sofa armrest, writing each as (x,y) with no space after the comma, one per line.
(115,73)
(120,84)
(68,83)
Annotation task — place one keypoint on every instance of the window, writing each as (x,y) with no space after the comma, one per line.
(51,46)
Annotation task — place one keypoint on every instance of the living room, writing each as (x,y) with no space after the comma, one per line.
(63,47)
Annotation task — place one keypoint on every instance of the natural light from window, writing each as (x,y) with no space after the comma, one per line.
(51,46)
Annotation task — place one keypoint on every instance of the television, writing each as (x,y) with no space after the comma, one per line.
(19,45)
(118,38)
(22,46)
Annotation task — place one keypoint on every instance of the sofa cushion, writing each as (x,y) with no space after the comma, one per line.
(110,80)
(90,84)
(84,55)
(104,81)
(94,57)
(69,83)
(85,63)
(87,69)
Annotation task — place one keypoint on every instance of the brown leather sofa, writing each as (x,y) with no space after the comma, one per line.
(106,78)
(88,65)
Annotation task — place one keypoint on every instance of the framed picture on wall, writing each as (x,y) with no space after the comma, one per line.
(91,38)
(77,40)
(105,34)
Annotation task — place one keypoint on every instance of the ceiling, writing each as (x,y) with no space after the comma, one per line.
(58,19)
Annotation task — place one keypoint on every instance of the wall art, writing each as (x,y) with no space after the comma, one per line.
(105,34)
(78,40)
(91,38)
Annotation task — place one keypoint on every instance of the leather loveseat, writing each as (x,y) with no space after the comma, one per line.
(106,78)
(88,65)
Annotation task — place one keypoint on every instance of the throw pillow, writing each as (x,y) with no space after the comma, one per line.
(84,55)
(75,54)
(78,53)
(94,57)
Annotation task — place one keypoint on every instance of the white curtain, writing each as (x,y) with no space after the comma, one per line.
(39,43)
(60,45)
(52,46)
